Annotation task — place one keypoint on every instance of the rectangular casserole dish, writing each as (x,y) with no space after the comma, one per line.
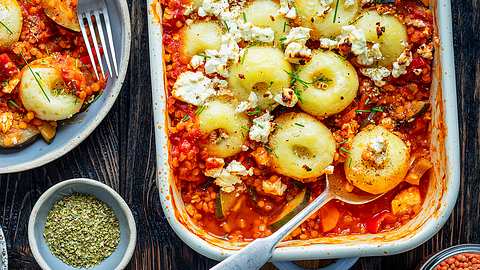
(439,202)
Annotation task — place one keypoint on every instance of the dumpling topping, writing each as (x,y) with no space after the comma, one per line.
(227,178)
(295,43)
(287,9)
(287,98)
(247,105)
(402,63)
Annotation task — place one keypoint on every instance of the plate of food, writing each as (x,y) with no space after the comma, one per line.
(50,98)
(256,101)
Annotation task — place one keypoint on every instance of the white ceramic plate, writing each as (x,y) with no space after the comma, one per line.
(72,134)
(439,201)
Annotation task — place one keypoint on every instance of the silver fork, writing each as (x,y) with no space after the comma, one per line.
(98,10)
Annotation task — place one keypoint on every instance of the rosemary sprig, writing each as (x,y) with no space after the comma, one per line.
(6,27)
(37,79)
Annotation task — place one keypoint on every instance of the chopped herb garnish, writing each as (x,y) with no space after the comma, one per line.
(244,17)
(336,10)
(322,78)
(343,149)
(244,55)
(298,93)
(349,162)
(35,77)
(268,148)
(245,128)
(185,118)
(284,27)
(12,103)
(205,57)
(367,101)
(377,109)
(362,111)
(226,26)
(300,125)
(294,78)
(256,111)
(282,39)
(6,27)
(343,142)
(200,110)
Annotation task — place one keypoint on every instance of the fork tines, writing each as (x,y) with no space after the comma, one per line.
(97,29)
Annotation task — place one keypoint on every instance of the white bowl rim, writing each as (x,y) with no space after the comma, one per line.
(132,241)
(101,114)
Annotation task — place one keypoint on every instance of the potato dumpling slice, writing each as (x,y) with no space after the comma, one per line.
(332,84)
(323,26)
(63,12)
(261,70)
(226,128)
(43,91)
(391,41)
(11,21)
(378,160)
(302,146)
(200,36)
(264,13)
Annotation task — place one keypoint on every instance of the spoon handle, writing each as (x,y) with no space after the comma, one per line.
(258,252)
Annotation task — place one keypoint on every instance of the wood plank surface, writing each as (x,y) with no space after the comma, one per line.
(121,153)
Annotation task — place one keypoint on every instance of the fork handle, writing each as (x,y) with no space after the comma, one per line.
(257,253)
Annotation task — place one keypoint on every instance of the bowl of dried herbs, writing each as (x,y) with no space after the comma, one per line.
(82,224)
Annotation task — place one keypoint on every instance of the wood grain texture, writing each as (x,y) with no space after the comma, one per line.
(121,153)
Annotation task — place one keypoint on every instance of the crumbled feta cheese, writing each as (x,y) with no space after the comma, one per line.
(329,44)
(417,71)
(349,3)
(295,52)
(217,61)
(188,10)
(295,41)
(276,188)
(376,74)
(400,66)
(376,150)
(214,167)
(227,181)
(193,88)
(261,128)
(373,54)
(249,32)
(227,178)
(287,98)
(197,61)
(356,37)
(249,104)
(415,22)
(324,6)
(287,9)
(212,7)
(298,34)
(426,51)
(237,168)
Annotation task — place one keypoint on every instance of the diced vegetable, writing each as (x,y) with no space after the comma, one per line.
(329,216)
(292,208)
(417,170)
(18,138)
(407,202)
(373,224)
(48,132)
(226,202)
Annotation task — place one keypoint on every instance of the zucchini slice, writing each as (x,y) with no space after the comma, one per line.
(225,202)
(22,137)
(48,132)
(291,209)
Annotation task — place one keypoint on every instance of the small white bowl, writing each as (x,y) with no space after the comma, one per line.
(36,225)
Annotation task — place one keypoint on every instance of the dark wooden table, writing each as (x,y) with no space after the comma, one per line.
(121,153)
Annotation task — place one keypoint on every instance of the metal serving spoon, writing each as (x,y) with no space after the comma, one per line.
(258,252)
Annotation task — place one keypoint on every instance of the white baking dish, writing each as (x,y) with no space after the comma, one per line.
(438,204)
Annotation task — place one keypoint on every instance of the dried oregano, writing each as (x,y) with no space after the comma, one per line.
(81,230)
